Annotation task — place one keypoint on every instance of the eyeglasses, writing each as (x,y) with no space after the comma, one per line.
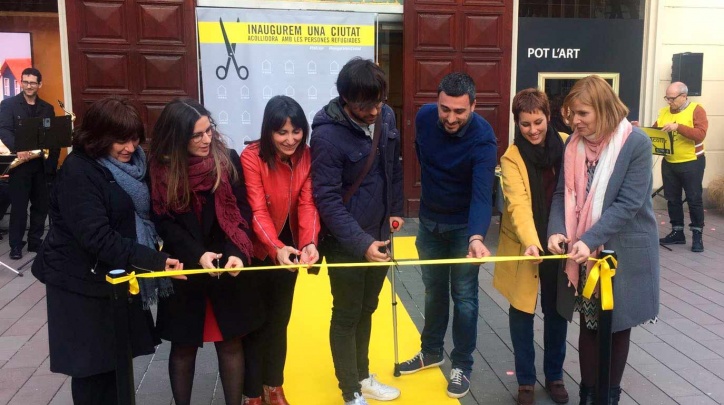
(671,99)
(196,137)
(366,105)
(29,84)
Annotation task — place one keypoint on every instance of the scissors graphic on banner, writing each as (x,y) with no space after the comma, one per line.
(222,71)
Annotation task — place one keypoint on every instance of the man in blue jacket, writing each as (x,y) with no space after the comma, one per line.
(357,181)
(457,152)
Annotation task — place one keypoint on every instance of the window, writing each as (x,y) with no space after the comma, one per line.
(557,85)
(6,87)
(18,87)
(603,9)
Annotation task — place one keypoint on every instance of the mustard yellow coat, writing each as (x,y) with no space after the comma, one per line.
(517,281)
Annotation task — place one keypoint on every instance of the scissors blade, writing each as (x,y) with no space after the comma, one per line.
(229,49)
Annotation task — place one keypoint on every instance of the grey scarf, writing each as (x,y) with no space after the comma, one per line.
(130,176)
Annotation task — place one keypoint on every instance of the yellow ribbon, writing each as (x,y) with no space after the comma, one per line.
(603,270)
(133,277)
(132,281)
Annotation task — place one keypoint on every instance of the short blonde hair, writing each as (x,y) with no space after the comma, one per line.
(597,93)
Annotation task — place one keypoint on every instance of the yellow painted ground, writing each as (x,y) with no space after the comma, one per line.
(309,374)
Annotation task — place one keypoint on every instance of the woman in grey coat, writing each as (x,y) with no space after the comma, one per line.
(603,201)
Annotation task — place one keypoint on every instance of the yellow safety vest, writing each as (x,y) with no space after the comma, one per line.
(684,148)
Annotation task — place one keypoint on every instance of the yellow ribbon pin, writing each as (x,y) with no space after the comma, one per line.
(603,270)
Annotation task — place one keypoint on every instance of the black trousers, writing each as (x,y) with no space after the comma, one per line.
(4,197)
(265,349)
(28,184)
(687,176)
(99,389)
(355,294)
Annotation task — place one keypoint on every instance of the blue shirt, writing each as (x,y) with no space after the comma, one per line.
(457,172)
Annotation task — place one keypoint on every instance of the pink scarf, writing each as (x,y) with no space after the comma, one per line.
(583,210)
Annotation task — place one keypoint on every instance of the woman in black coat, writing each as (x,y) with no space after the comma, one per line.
(202,214)
(100,215)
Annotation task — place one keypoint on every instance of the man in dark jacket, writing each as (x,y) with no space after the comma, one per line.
(358,202)
(28,182)
(456,149)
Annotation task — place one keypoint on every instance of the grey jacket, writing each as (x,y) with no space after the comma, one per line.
(628,227)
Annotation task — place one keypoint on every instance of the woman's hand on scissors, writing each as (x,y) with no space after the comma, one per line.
(210,260)
(234,263)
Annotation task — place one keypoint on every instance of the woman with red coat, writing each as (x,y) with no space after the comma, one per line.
(286,225)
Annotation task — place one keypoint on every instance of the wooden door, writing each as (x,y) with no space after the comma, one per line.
(444,36)
(144,50)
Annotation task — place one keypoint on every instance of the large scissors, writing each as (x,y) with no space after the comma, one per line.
(222,71)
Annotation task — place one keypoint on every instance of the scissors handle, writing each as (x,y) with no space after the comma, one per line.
(224,69)
(239,69)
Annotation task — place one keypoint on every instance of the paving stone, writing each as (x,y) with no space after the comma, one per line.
(10,345)
(706,381)
(39,390)
(642,390)
(12,380)
(64,396)
(696,400)
(692,329)
(32,354)
(667,380)
(689,347)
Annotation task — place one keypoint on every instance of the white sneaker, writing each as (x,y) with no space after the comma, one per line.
(373,389)
(358,400)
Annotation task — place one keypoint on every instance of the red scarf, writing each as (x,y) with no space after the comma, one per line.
(200,180)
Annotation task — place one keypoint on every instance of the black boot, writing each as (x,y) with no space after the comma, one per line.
(586,394)
(676,237)
(696,243)
(614,395)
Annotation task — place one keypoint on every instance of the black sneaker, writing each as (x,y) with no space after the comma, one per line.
(16,253)
(674,238)
(421,361)
(459,384)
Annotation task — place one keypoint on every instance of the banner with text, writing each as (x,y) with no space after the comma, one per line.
(249,56)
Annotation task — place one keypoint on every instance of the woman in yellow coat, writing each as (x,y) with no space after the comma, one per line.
(530,171)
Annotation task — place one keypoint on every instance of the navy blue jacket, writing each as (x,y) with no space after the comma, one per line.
(457,171)
(339,152)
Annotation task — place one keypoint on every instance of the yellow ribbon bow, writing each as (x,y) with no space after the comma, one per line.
(132,282)
(603,270)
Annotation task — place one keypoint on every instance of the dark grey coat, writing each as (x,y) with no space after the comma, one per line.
(627,226)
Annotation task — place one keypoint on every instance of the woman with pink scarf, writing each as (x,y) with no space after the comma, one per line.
(603,201)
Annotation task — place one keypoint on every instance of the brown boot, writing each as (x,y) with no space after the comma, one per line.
(526,395)
(252,401)
(557,390)
(274,396)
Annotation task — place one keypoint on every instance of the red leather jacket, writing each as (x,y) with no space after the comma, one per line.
(277,194)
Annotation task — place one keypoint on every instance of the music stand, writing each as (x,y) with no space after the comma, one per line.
(41,133)
(662,144)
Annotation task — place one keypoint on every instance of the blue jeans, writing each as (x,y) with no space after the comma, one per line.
(555,328)
(442,281)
